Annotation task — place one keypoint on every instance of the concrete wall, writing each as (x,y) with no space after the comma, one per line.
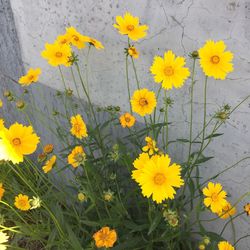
(181,25)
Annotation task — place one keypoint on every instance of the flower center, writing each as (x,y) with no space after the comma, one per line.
(132,51)
(215,59)
(76,38)
(31,77)
(127,119)
(143,102)
(79,158)
(22,202)
(64,41)
(159,179)
(77,127)
(104,236)
(214,197)
(169,71)
(16,141)
(58,54)
(130,27)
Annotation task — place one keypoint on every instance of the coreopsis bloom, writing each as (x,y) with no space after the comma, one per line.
(76,38)
(130,25)
(224,245)
(2,190)
(1,124)
(31,77)
(49,164)
(92,41)
(247,209)
(133,52)
(17,141)
(150,146)
(139,164)
(143,102)
(35,202)
(78,128)
(57,54)
(215,197)
(127,120)
(108,195)
(77,156)
(159,179)
(227,211)
(3,239)
(81,197)
(22,202)
(105,237)
(63,39)
(214,60)
(48,148)
(169,70)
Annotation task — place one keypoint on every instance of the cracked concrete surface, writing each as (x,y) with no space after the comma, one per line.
(182,26)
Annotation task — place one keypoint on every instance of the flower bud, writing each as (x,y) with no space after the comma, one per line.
(20,104)
(7,93)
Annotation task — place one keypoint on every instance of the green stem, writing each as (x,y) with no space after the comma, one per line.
(128,88)
(191,110)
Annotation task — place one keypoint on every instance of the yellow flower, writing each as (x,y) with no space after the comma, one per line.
(1,124)
(97,44)
(158,178)
(214,60)
(139,164)
(16,142)
(143,102)
(48,148)
(132,51)
(77,156)
(63,39)
(22,202)
(227,211)
(78,128)
(3,239)
(57,54)
(1,103)
(76,38)
(130,25)
(127,120)
(150,147)
(247,209)
(49,164)
(215,197)
(224,245)
(170,70)
(31,76)
(105,237)
(2,190)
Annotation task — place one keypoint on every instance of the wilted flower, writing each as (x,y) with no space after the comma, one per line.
(171,217)
(41,157)
(82,197)
(108,195)
(48,148)
(35,202)
(114,155)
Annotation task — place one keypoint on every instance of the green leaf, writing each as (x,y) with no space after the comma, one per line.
(213,135)
(204,159)
(155,223)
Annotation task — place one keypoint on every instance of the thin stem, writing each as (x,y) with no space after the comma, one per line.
(136,76)
(128,88)
(191,110)
(166,120)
